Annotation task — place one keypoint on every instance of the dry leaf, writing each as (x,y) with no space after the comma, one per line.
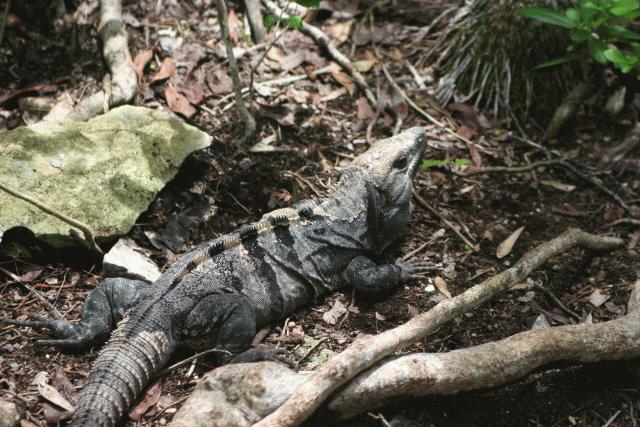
(505,247)
(332,316)
(365,112)
(234,26)
(167,70)
(280,114)
(150,398)
(52,395)
(141,61)
(219,82)
(597,298)
(442,286)
(193,90)
(178,103)
(339,32)
(292,60)
(364,65)
(567,188)
(380,317)
(344,80)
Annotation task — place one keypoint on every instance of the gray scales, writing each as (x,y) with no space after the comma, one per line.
(220,293)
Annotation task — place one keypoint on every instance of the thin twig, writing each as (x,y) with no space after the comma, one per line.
(304,181)
(556,300)
(321,39)
(441,217)
(62,217)
(54,311)
(419,110)
(245,114)
(507,169)
(316,345)
(623,221)
(183,362)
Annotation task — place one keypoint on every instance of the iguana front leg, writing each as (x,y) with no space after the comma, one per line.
(367,276)
(105,306)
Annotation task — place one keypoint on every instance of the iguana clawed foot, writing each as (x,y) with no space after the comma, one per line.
(411,270)
(67,334)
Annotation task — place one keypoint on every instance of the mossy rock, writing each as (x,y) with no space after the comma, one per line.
(104,172)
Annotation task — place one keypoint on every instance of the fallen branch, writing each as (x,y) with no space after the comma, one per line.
(123,81)
(423,203)
(365,352)
(243,394)
(322,40)
(62,217)
(507,169)
(245,114)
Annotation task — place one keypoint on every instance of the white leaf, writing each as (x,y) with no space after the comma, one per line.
(332,316)
(505,247)
(53,395)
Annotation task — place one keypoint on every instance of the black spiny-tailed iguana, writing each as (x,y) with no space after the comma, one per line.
(221,292)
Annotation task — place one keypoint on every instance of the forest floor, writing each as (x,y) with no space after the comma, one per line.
(310,129)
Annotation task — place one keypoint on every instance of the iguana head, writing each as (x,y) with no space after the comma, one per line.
(392,163)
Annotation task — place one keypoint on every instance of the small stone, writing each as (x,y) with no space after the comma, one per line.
(10,414)
(123,260)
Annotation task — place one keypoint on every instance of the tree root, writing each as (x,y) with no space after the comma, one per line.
(567,109)
(264,387)
(123,83)
(322,40)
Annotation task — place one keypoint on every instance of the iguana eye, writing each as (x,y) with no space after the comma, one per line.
(400,163)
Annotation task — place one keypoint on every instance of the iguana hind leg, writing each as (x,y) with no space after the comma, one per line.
(226,322)
(105,306)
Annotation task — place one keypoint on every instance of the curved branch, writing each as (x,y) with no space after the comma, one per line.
(363,353)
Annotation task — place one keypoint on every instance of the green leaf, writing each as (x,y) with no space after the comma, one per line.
(557,61)
(295,22)
(620,32)
(461,162)
(573,15)
(596,49)
(431,163)
(269,20)
(623,7)
(308,3)
(614,55)
(548,16)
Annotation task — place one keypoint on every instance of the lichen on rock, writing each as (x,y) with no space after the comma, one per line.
(104,172)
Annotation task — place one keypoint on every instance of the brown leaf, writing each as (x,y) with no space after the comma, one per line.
(567,188)
(344,80)
(505,247)
(31,275)
(365,112)
(442,286)
(281,114)
(470,117)
(62,384)
(474,153)
(140,62)
(178,103)
(52,395)
(292,60)
(234,26)
(193,90)
(339,32)
(412,310)
(167,70)
(150,398)
(219,82)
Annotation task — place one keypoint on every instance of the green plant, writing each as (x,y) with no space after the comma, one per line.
(600,29)
(294,21)
(435,163)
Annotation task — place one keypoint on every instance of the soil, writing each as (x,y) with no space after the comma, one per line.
(243,186)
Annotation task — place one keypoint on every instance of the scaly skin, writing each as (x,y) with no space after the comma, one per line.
(220,293)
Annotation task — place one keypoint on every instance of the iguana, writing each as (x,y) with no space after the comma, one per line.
(221,292)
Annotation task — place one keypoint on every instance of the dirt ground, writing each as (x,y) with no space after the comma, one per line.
(317,126)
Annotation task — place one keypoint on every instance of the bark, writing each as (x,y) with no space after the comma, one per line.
(115,49)
(255,20)
(309,393)
(264,386)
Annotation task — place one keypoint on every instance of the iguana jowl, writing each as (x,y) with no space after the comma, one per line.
(220,293)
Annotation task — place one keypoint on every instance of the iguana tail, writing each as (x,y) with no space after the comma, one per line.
(122,370)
